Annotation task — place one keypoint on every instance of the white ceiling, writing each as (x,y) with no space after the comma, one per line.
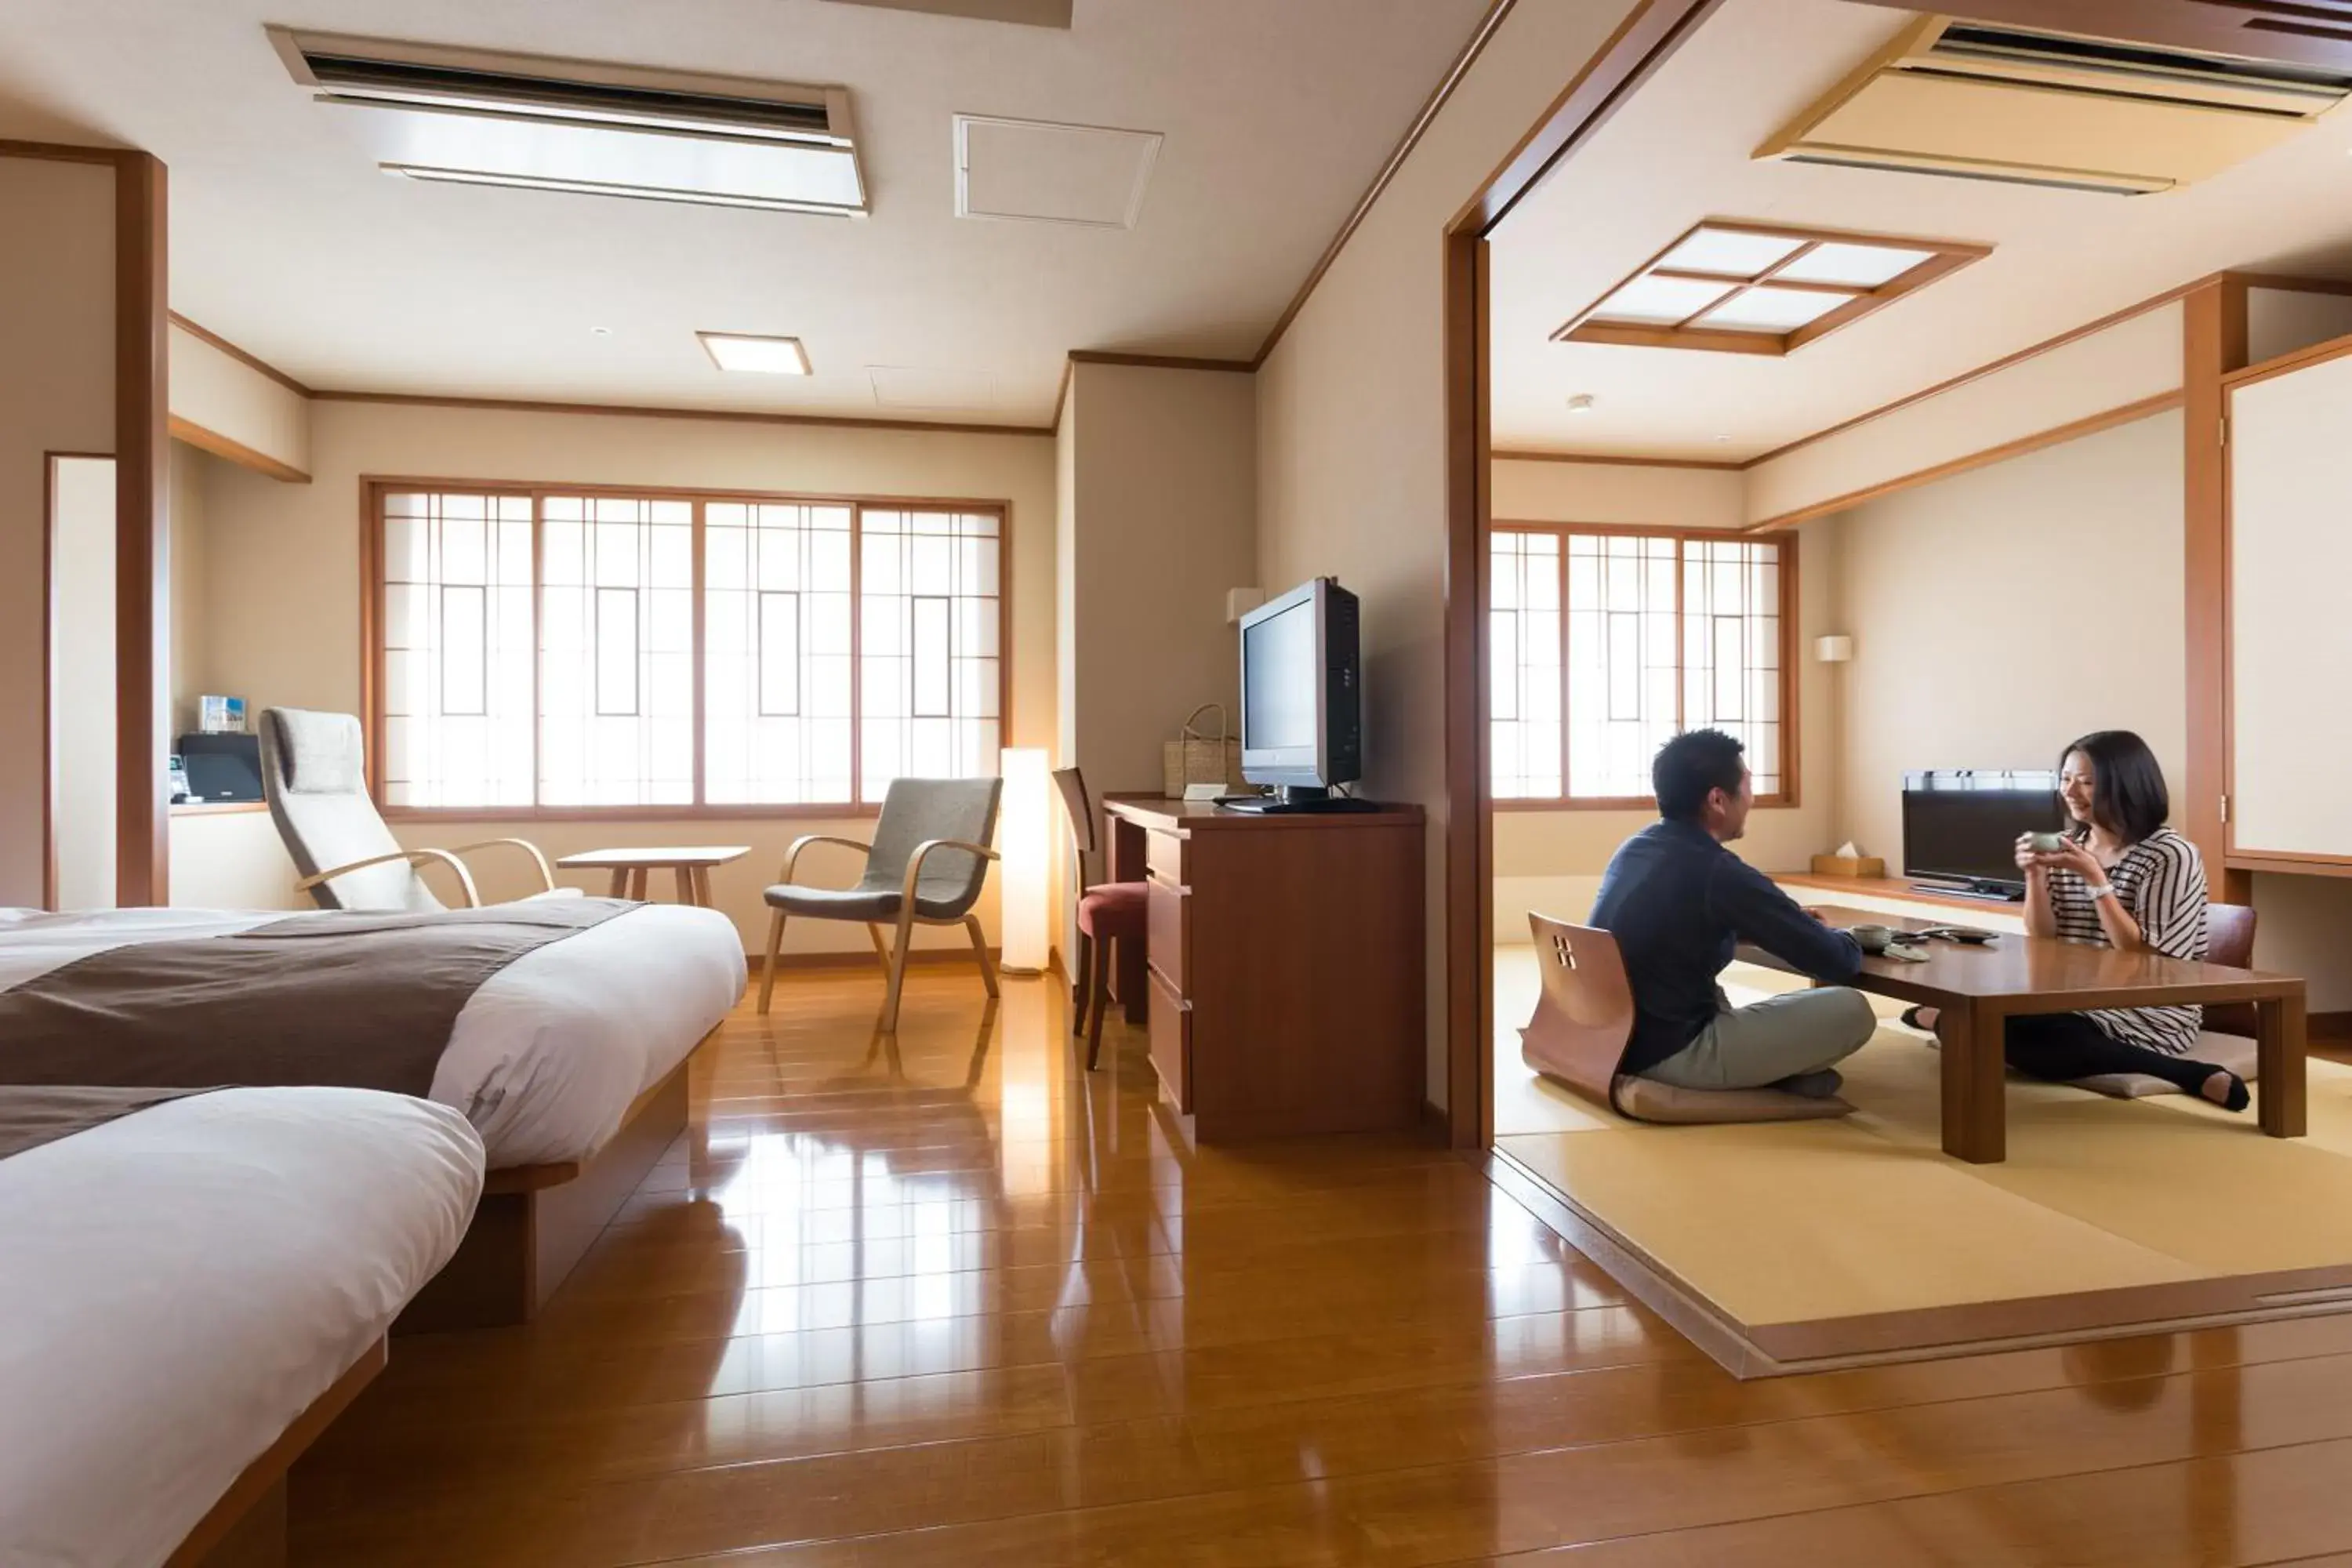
(286,240)
(1678,152)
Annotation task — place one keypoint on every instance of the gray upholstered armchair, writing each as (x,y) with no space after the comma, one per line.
(926,867)
(314,775)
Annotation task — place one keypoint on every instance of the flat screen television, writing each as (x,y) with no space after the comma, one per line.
(1960,828)
(1302,707)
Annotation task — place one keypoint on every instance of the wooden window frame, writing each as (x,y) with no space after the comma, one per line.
(373,488)
(1787,797)
(1946,257)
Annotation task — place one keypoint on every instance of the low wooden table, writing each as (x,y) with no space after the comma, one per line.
(629,867)
(1979,988)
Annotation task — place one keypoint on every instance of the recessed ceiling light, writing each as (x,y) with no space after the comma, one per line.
(769,356)
(600,332)
(1581,404)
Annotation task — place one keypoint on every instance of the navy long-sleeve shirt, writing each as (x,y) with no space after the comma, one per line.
(1679,904)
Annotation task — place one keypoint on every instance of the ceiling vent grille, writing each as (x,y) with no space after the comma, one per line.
(1972,101)
(470,117)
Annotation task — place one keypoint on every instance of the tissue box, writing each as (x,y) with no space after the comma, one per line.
(1849,866)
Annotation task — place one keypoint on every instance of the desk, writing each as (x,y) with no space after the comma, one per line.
(629,867)
(1979,989)
(1285,977)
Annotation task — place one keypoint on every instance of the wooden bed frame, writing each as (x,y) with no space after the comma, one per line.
(534,1221)
(246,1528)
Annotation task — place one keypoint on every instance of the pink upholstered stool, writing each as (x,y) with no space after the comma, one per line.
(1113,912)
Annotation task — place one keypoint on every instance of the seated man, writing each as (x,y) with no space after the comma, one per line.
(1678,902)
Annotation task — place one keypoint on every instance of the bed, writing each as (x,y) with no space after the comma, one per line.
(569,1059)
(191,1290)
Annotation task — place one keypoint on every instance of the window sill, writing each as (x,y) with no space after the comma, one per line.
(629,813)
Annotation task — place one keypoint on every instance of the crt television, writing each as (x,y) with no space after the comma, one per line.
(1302,711)
(1960,828)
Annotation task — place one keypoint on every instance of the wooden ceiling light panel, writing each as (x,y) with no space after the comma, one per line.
(1731,286)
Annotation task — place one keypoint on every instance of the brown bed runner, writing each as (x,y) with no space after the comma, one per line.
(355,1000)
(31,1117)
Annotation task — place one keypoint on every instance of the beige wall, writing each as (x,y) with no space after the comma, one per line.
(56,395)
(1163,520)
(283,591)
(191,471)
(1528,490)
(1550,861)
(2132,360)
(2281,320)
(2000,613)
(1351,423)
(230,398)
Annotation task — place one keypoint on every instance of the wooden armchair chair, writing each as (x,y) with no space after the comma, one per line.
(926,865)
(314,776)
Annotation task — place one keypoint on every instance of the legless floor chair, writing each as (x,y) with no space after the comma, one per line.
(314,776)
(926,865)
(1585,1016)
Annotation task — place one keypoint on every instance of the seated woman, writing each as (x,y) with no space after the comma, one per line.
(2120,878)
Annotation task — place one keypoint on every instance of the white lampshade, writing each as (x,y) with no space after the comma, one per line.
(1022,837)
(1835,648)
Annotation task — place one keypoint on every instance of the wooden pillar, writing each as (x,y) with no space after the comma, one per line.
(142,531)
(1469,828)
(2214,344)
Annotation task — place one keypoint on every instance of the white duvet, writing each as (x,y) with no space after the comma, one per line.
(547,1057)
(178,1285)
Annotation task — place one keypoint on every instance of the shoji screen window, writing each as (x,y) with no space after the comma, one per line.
(778,653)
(1732,648)
(930,617)
(617,641)
(1604,643)
(1526,628)
(456,608)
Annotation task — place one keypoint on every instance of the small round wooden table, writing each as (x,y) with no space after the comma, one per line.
(629,867)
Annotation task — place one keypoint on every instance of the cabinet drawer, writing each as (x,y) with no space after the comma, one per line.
(1164,854)
(1165,932)
(1171,1042)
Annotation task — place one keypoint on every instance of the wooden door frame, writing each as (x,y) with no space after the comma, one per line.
(1649,33)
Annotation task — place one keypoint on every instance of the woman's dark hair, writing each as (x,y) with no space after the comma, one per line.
(2127,794)
(1691,764)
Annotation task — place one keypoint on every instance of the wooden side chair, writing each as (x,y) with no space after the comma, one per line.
(1108,912)
(314,776)
(926,865)
(1584,1019)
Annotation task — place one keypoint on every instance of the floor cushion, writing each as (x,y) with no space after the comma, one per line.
(2235,1052)
(1647,1099)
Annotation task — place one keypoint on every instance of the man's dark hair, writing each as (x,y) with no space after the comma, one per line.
(1688,766)
(2127,794)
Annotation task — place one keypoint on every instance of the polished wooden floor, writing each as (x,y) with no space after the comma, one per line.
(952,1302)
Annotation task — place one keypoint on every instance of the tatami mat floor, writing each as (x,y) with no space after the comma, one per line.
(1801,1222)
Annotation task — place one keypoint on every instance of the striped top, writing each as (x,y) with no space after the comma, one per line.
(2161,882)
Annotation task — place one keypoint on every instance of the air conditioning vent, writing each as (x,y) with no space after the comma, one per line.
(1974,100)
(586,127)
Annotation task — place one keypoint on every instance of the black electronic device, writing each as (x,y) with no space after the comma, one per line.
(1960,828)
(222,767)
(1302,699)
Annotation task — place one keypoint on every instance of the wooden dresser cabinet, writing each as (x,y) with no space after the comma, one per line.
(1283,978)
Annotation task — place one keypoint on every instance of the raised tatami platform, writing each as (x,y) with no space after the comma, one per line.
(1789,1246)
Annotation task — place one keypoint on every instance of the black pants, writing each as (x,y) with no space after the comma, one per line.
(2060,1047)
